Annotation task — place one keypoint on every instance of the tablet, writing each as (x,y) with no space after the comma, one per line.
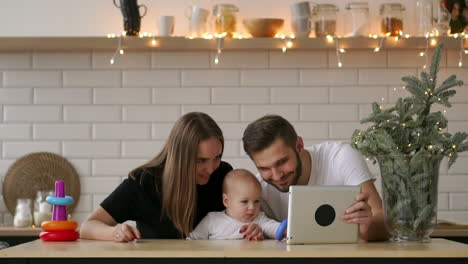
(314,214)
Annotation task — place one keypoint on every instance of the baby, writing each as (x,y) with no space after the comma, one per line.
(241,197)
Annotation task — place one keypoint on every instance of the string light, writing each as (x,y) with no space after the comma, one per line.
(287,43)
(462,50)
(338,52)
(426,50)
(380,44)
(118,50)
(154,42)
(219,47)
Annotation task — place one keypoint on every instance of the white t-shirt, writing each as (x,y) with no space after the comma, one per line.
(333,163)
(218,225)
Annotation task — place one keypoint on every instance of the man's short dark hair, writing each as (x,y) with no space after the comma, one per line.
(261,133)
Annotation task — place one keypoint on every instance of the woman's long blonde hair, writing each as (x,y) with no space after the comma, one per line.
(177,161)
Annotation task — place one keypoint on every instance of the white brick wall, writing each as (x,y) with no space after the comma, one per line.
(108,119)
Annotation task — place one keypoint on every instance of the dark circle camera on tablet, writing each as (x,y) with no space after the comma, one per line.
(325,215)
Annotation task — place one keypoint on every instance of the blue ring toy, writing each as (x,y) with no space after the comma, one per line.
(67,200)
(280,231)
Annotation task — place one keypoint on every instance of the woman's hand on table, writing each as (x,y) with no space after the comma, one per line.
(251,232)
(125,233)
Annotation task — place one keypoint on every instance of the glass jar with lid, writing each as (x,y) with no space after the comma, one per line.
(225,18)
(42,209)
(392,19)
(23,216)
(325,19)
(359,19)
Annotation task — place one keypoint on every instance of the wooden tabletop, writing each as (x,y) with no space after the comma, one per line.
(438,248)
(441,230)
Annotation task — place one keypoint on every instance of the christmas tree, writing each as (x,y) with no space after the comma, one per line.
(409,141)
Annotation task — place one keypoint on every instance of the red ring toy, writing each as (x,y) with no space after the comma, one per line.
(66,235)
(59,225)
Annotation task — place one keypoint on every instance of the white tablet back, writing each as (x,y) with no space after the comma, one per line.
(314,214)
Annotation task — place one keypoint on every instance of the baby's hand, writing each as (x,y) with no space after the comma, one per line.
(251,232)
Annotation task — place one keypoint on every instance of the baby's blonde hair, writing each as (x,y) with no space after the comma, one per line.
(238,176)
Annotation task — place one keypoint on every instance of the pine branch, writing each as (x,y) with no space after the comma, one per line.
(408,142)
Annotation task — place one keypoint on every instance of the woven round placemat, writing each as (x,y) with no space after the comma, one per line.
(39,171)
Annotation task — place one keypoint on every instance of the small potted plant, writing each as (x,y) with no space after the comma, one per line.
(408,141)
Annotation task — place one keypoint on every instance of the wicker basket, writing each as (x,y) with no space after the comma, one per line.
(39,171)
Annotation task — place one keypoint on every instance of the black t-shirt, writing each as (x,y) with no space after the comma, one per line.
(140,200)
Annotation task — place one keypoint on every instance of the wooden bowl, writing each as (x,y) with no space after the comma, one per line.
(263,27)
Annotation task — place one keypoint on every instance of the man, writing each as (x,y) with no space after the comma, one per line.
(281,159)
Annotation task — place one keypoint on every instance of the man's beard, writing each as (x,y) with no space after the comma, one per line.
(295,176)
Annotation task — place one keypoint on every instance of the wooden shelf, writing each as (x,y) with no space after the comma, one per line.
(19,231)
(181,43)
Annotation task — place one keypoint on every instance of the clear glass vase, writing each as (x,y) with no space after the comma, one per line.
(409,188)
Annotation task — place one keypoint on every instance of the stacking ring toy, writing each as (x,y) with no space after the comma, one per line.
(60,228)
(67,200)
(280,231)
(65,235)
(59,225)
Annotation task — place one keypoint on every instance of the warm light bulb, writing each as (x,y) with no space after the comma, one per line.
(421,54)
(153,42)
(376,49)
(342,50)
(340,64)
(289,44)
(283,49)
(433,42)
(121,51)
(466,51)
(407,35)
(216,60)
(329,38)
(112,61)
(460,64)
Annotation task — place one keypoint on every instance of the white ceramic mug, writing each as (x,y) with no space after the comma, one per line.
(197,20)
(301,26)
(301,9)
(166,25)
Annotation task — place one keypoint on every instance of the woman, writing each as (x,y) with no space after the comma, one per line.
(170,194)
